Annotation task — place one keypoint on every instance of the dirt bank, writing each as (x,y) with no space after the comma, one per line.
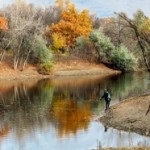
(130,115)
(67,68)
(80,67)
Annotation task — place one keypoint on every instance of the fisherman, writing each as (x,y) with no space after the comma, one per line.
(107,98)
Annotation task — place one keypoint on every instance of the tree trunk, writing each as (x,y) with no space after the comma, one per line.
(2,56)
(25,61)
(143,50)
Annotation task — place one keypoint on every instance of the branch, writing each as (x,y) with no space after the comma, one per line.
(148,110)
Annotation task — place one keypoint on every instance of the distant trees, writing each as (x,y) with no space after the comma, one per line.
(32,34)
(118,57)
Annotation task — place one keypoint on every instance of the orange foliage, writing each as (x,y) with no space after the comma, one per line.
(3,23)
(72,24)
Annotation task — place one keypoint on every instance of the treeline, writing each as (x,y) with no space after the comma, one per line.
(34,34)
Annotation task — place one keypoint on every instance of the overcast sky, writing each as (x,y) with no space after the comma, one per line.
(101,8)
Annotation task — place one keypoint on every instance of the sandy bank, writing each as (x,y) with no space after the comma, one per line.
(130,115)
(70,68)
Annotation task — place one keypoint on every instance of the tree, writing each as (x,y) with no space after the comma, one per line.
(59,43)
(118,57)
(42,54)
(103,45)
(72,25)
(140,25)
(123,59)
(62,4)
(50,14)
(24,26)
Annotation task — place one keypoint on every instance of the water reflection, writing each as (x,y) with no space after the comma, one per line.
(70,116)
(116,138)
(60,112)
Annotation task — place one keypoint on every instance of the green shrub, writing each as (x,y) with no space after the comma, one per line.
(103,45)
(123,59)
(83,44)
(85,49)
(120,57)
(42,54)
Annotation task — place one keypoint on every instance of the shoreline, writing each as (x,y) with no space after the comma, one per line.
(130,115)
(73,68)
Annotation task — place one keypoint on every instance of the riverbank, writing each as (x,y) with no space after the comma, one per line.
(130,115)
(67,68)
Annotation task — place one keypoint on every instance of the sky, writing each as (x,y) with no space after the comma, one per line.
(101,8)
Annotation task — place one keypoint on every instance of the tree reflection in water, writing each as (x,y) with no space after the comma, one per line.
(64,105)
(70,116)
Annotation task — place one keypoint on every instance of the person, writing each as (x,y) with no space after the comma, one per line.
(107,98)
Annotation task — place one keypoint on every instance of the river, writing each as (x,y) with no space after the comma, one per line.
(61,113)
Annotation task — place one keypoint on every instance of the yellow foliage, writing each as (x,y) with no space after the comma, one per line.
(145,26)
(72,24)
(62,4)
(59,42)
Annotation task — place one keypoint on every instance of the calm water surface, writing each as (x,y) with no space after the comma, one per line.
(60,114)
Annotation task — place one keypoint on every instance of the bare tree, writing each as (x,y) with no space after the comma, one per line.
(143,41)
(24,25)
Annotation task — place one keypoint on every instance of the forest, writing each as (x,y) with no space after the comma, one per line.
(36,35)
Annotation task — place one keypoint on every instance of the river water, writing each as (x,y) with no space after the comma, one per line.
(61,113)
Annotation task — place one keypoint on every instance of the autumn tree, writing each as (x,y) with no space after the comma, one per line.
(72,25)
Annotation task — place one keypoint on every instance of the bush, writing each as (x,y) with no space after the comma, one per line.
(83,45)
(103,45)
(85,49)
(120,57)
(123,59)
(58,44)
(42,54)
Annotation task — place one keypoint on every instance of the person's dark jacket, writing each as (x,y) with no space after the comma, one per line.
(106,95)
